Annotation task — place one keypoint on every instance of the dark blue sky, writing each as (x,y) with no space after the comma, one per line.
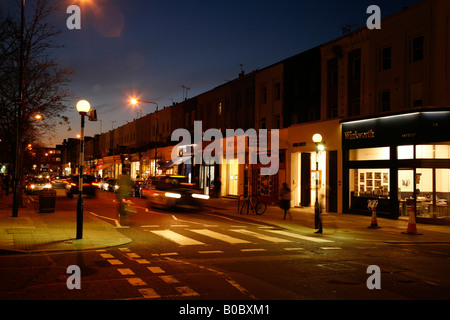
(152,48)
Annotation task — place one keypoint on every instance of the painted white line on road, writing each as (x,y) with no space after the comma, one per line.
(133,255)
(219,236)
(261,236)
(211,251)
(169,279)
(149,293)
(293,249)
(176,237)
(126,272)
(298,236)
(114,261)
(253,250)
(142,261)
(186,292)
(107,255)
(330,248)
(156,270)
(107,218)
(136,282)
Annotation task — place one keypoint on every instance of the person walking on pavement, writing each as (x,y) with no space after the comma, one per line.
(318,219)
(285,199)
(217,186)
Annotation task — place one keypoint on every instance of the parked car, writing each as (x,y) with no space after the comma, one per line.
(172,192)
(34,185)
(90,185)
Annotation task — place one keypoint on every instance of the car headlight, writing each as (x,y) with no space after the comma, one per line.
(32,186)
(48,185)
(200,196)
(173,195)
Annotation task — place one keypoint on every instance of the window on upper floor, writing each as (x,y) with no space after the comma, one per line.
(385,100)
(416,48)
(385,58)
(263,95)
(277,91)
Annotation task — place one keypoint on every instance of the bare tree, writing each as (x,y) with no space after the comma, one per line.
(43,80)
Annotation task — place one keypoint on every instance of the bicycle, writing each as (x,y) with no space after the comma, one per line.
(257,206)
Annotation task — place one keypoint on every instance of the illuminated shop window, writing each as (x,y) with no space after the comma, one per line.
(369,154)
(433,151)
(405,152)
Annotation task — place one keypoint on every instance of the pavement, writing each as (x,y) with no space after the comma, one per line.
(32,231)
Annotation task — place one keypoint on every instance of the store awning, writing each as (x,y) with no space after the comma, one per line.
(103,166)
(177,161)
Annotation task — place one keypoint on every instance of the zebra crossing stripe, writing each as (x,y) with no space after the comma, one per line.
(219,236)
(261,236)
(298,236)
(176,237)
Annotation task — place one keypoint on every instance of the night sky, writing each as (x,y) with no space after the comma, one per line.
(150,49)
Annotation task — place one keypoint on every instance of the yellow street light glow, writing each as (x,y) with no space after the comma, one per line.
(83,106)
(317,138)
(134,101)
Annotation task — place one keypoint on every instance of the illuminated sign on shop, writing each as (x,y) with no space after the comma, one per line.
(352,135)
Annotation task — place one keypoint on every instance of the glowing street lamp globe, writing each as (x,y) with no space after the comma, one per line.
(317,138)
(83,106)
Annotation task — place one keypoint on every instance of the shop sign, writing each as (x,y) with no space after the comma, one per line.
(352,135)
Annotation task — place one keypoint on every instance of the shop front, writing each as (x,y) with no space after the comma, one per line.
(315,172)
(398,163)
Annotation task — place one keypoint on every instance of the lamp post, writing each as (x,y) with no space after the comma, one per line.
(83,108)
(317,139)
(136,101)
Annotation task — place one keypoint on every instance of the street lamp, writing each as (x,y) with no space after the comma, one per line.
(83,108)
(136,101)
(317,139)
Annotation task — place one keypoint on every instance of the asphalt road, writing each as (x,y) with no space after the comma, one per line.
(206,257)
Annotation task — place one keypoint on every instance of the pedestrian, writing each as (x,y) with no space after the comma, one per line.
(318,218)
(285,199)
(217,186)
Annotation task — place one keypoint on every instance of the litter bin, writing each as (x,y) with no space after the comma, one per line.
(47,199)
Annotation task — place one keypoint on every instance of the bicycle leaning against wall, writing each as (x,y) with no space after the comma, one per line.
(251,202)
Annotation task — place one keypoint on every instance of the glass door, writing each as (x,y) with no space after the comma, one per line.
(405,191)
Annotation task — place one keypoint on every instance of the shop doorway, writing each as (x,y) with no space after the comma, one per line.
(233,177)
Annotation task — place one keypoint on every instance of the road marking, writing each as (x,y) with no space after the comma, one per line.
(126,272)
(149,293)
(114,261)
(293,249)
(169,279)
(124,249)
(261,236)
(107,218)
(330,248)
(156,270)
(253,250)
(186,292)
(211,251)
(168,254)
(142,261)
(107,255)
(298,236)
(151,226)
(136,282)
(177,238)
(219,236)
(133,255)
